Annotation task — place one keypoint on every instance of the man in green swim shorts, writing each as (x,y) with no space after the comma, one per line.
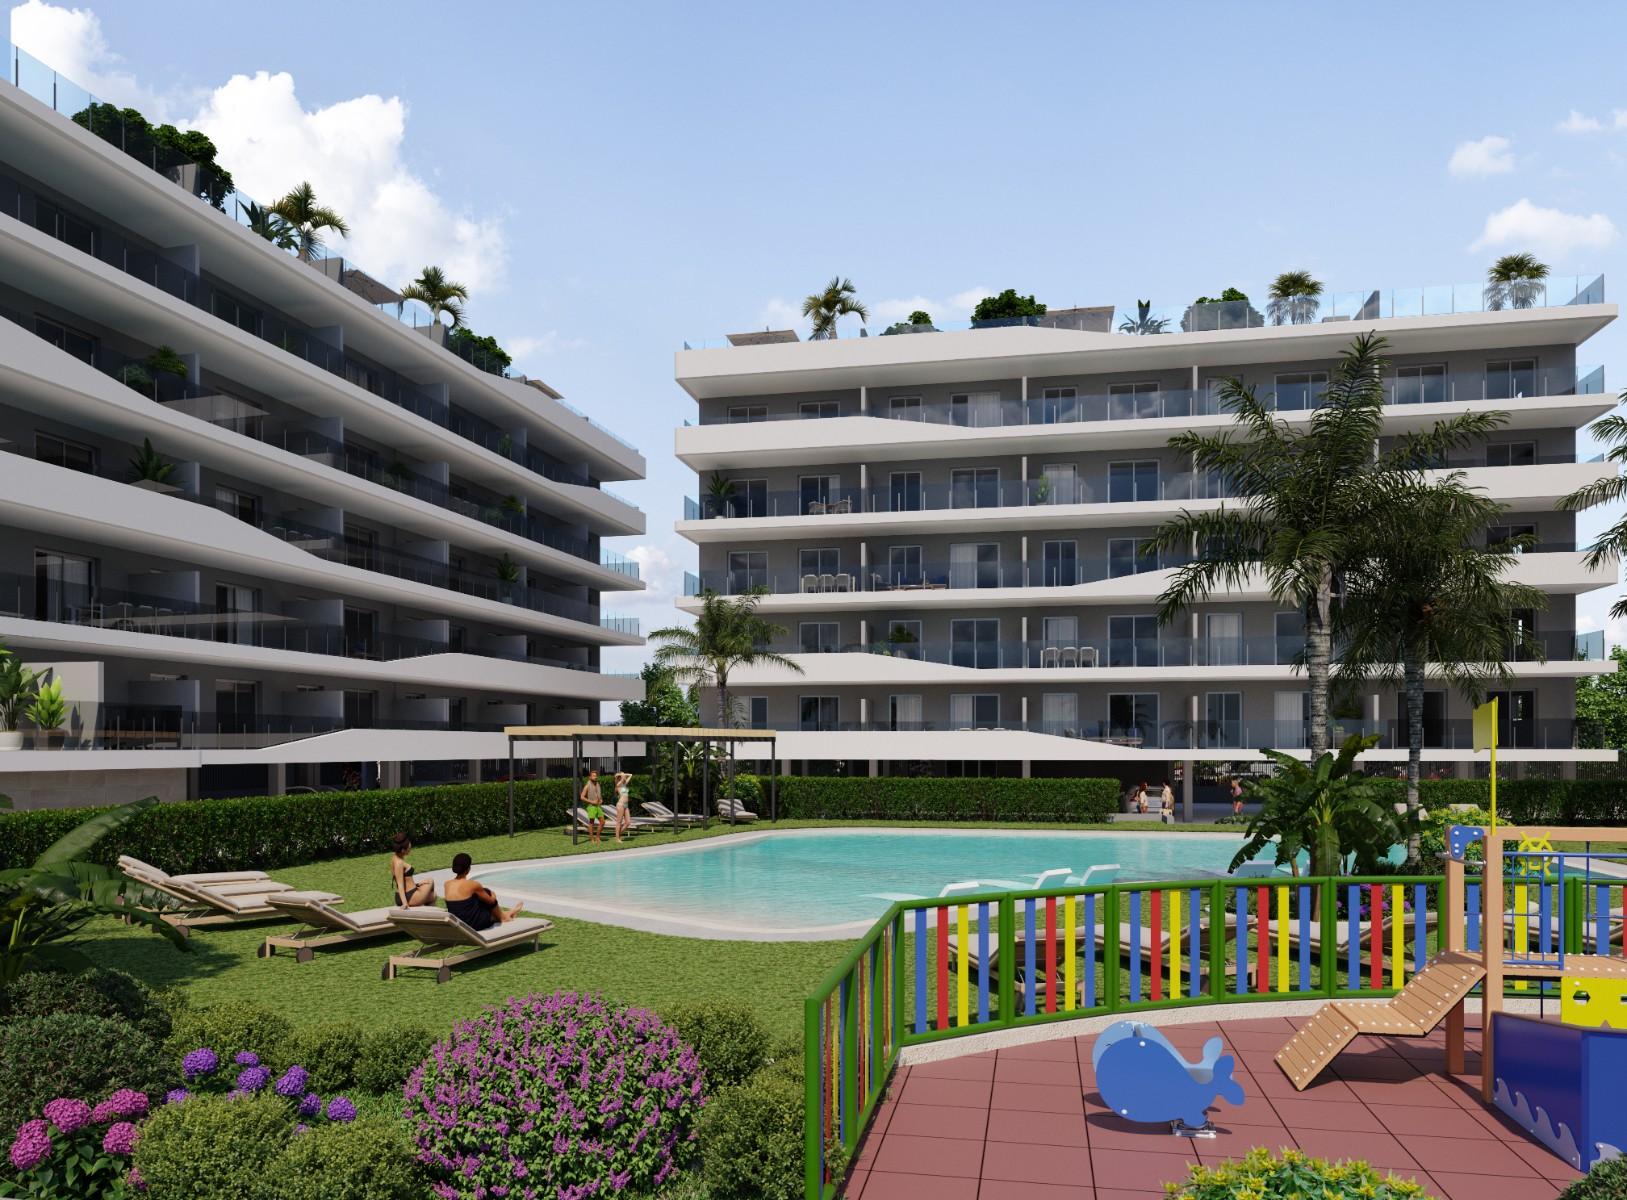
(594,805)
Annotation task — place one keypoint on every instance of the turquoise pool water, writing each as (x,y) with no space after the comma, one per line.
(810,880)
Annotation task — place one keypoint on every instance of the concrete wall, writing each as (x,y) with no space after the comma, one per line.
(89,789)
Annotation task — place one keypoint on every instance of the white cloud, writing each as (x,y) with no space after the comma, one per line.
(957,307)
(542,345)
(1491,155)
(70,41)
(1579,123)
(1546,230)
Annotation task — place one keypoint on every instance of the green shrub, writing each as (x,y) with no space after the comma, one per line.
(212,1148)
(1606,1181)
(98,992)
(74,1055)
(365,1160)
(231,1027)
(926,799)
(330,1051)
(388,1056)
(731,1041)
(785,1058)
(1262,1176)
(751,1140)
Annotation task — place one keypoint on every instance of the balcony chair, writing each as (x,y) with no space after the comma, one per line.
(844,582)
(810,583)
(816,508)
(1050,656)
(1087,656)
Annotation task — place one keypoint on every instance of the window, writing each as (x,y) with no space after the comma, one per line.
(820,637)
(1511,454)
(1133,717)
(1511,378)
(1523,645)
(1058,484)
(1300,389)
(904,639)
(975,409)
(1059,713)
(904,712)
(819,492)
(64,587)
(905,408)
(1223,639)
(1223,720)
(53,222)
(756,711)
(826,560)
(369,379)
(1128,482)
(361,709)
(974,711)
(1058,404)
(77,343)
(361,633)
(1131,401)
(974,487)
(237,608)
(233,503)
(904,490)
(747,569)
(820,409)
(904,566)
(818,713)
(1290,633)
(1060,564)
(63,453)
(750,498)
(1434,721)
(747,414)
(235,705)
(361,547)
(1516,719)
(1419,385)
(974,564)
(974,642)
(1060,631)
(234,312)
(1132,641)
(1291,719)
(1498,535)
(1127,556)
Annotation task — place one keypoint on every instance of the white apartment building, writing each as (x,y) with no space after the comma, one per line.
(367,554)
(951,526)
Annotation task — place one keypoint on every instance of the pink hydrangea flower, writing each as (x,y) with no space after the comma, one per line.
(129,1103)
(104,1112)
(121,1138)
(67,1114)
(32,1145)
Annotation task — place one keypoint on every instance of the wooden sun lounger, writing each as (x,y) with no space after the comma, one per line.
(733,810)
(215,898)
(665,815)
(323,925)
(437,929)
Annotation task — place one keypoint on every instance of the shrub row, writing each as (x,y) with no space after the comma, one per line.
(1533,801)
(914,799)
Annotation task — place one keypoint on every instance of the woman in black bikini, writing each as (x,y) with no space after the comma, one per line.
(408,893)
(472,902)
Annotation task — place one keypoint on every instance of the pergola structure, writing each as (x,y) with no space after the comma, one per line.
(617,734)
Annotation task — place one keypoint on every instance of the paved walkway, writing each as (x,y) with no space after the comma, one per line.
(1026,1123)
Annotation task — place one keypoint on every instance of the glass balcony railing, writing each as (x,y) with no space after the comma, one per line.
(1216,316)
(1144,403)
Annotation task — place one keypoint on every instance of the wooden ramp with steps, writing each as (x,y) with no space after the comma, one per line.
(1412,1012)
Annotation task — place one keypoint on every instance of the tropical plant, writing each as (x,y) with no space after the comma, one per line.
(1006,305)
(719,494)
(727,634)
(308,220)
(1294,298)
(150,466)
(44,907)
(439,294)
(1306,496)
(508,571)
(168,360)
(483,352)
(511,504)
(48,709)
(266,223)
(1611,545)
(1421,594)
(1323,809)
(838,299)
(664,703)
(1143,323)
(137,378)
(1515,281)
(17,687)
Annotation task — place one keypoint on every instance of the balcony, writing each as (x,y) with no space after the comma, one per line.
(930,576)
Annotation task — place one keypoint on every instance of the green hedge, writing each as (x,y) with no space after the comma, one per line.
(830,797)
(1533,801)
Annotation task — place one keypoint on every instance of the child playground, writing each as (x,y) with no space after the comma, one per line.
(1467,1031)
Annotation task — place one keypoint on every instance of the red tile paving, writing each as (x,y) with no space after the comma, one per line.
(1028,1124)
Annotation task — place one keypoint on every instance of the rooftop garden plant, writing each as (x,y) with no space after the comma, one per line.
(308,220)
(164,148)
(1008,304)
(264,222)
(483,352)
(1229,310)
(824,308)
(917,322)
(439,294)
(1515,281)
(1143,323)
(1295,297)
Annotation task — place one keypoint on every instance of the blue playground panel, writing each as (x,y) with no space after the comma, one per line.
(1562,1084)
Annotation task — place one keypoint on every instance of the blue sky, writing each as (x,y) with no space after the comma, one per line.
(615,178)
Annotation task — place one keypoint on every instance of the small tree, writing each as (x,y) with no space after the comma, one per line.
(1295,297)
(1601,702)
(1006,305)
(439,294)
(1515,281)
(308,219)
(1611,545)
(839,299)
(664,704)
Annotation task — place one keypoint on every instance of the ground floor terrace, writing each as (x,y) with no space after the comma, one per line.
(1025,1121)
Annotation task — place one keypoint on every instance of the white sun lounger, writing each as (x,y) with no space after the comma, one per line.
(212,898)
(662,813)
(730,809)
(437,929)
(323,925)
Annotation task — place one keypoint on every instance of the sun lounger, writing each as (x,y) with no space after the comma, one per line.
(322,925)
(437,929)
(662,813)
(730,809)
(211,898)
(133,866)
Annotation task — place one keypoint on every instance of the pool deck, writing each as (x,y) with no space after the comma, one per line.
(1026,1123)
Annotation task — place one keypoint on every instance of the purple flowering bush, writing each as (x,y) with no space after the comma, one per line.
(207,1074)
(557,1097)
(74,1150)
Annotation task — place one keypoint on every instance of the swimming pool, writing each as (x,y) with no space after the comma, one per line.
(808,884)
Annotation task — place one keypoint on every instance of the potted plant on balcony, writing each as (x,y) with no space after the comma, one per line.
(513,504)
(151,471)
(508,575)
(17,687)
(719,495)
(48,711)
(143,375)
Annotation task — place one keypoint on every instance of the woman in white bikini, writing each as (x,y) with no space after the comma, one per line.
(624,820)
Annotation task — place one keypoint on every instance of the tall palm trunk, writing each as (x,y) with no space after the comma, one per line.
(1412,674)
(1318,653)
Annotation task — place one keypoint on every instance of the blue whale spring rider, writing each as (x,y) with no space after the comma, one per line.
(1144,1078)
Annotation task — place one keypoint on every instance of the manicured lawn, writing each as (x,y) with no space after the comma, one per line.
(630,966)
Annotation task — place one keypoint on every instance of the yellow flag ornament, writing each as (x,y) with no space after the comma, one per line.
(1485,738)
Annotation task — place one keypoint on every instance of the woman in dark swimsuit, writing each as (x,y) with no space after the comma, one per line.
(472,902)
(408,894)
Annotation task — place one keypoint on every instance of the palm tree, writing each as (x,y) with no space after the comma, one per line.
(308,219)
(839,299)
(1306,497)
(1612,543)
(439,294)
(1423,595)
(1143,322)
(266,223)
(1515,281)
(727,634)
(1322,808)
(1294,298)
